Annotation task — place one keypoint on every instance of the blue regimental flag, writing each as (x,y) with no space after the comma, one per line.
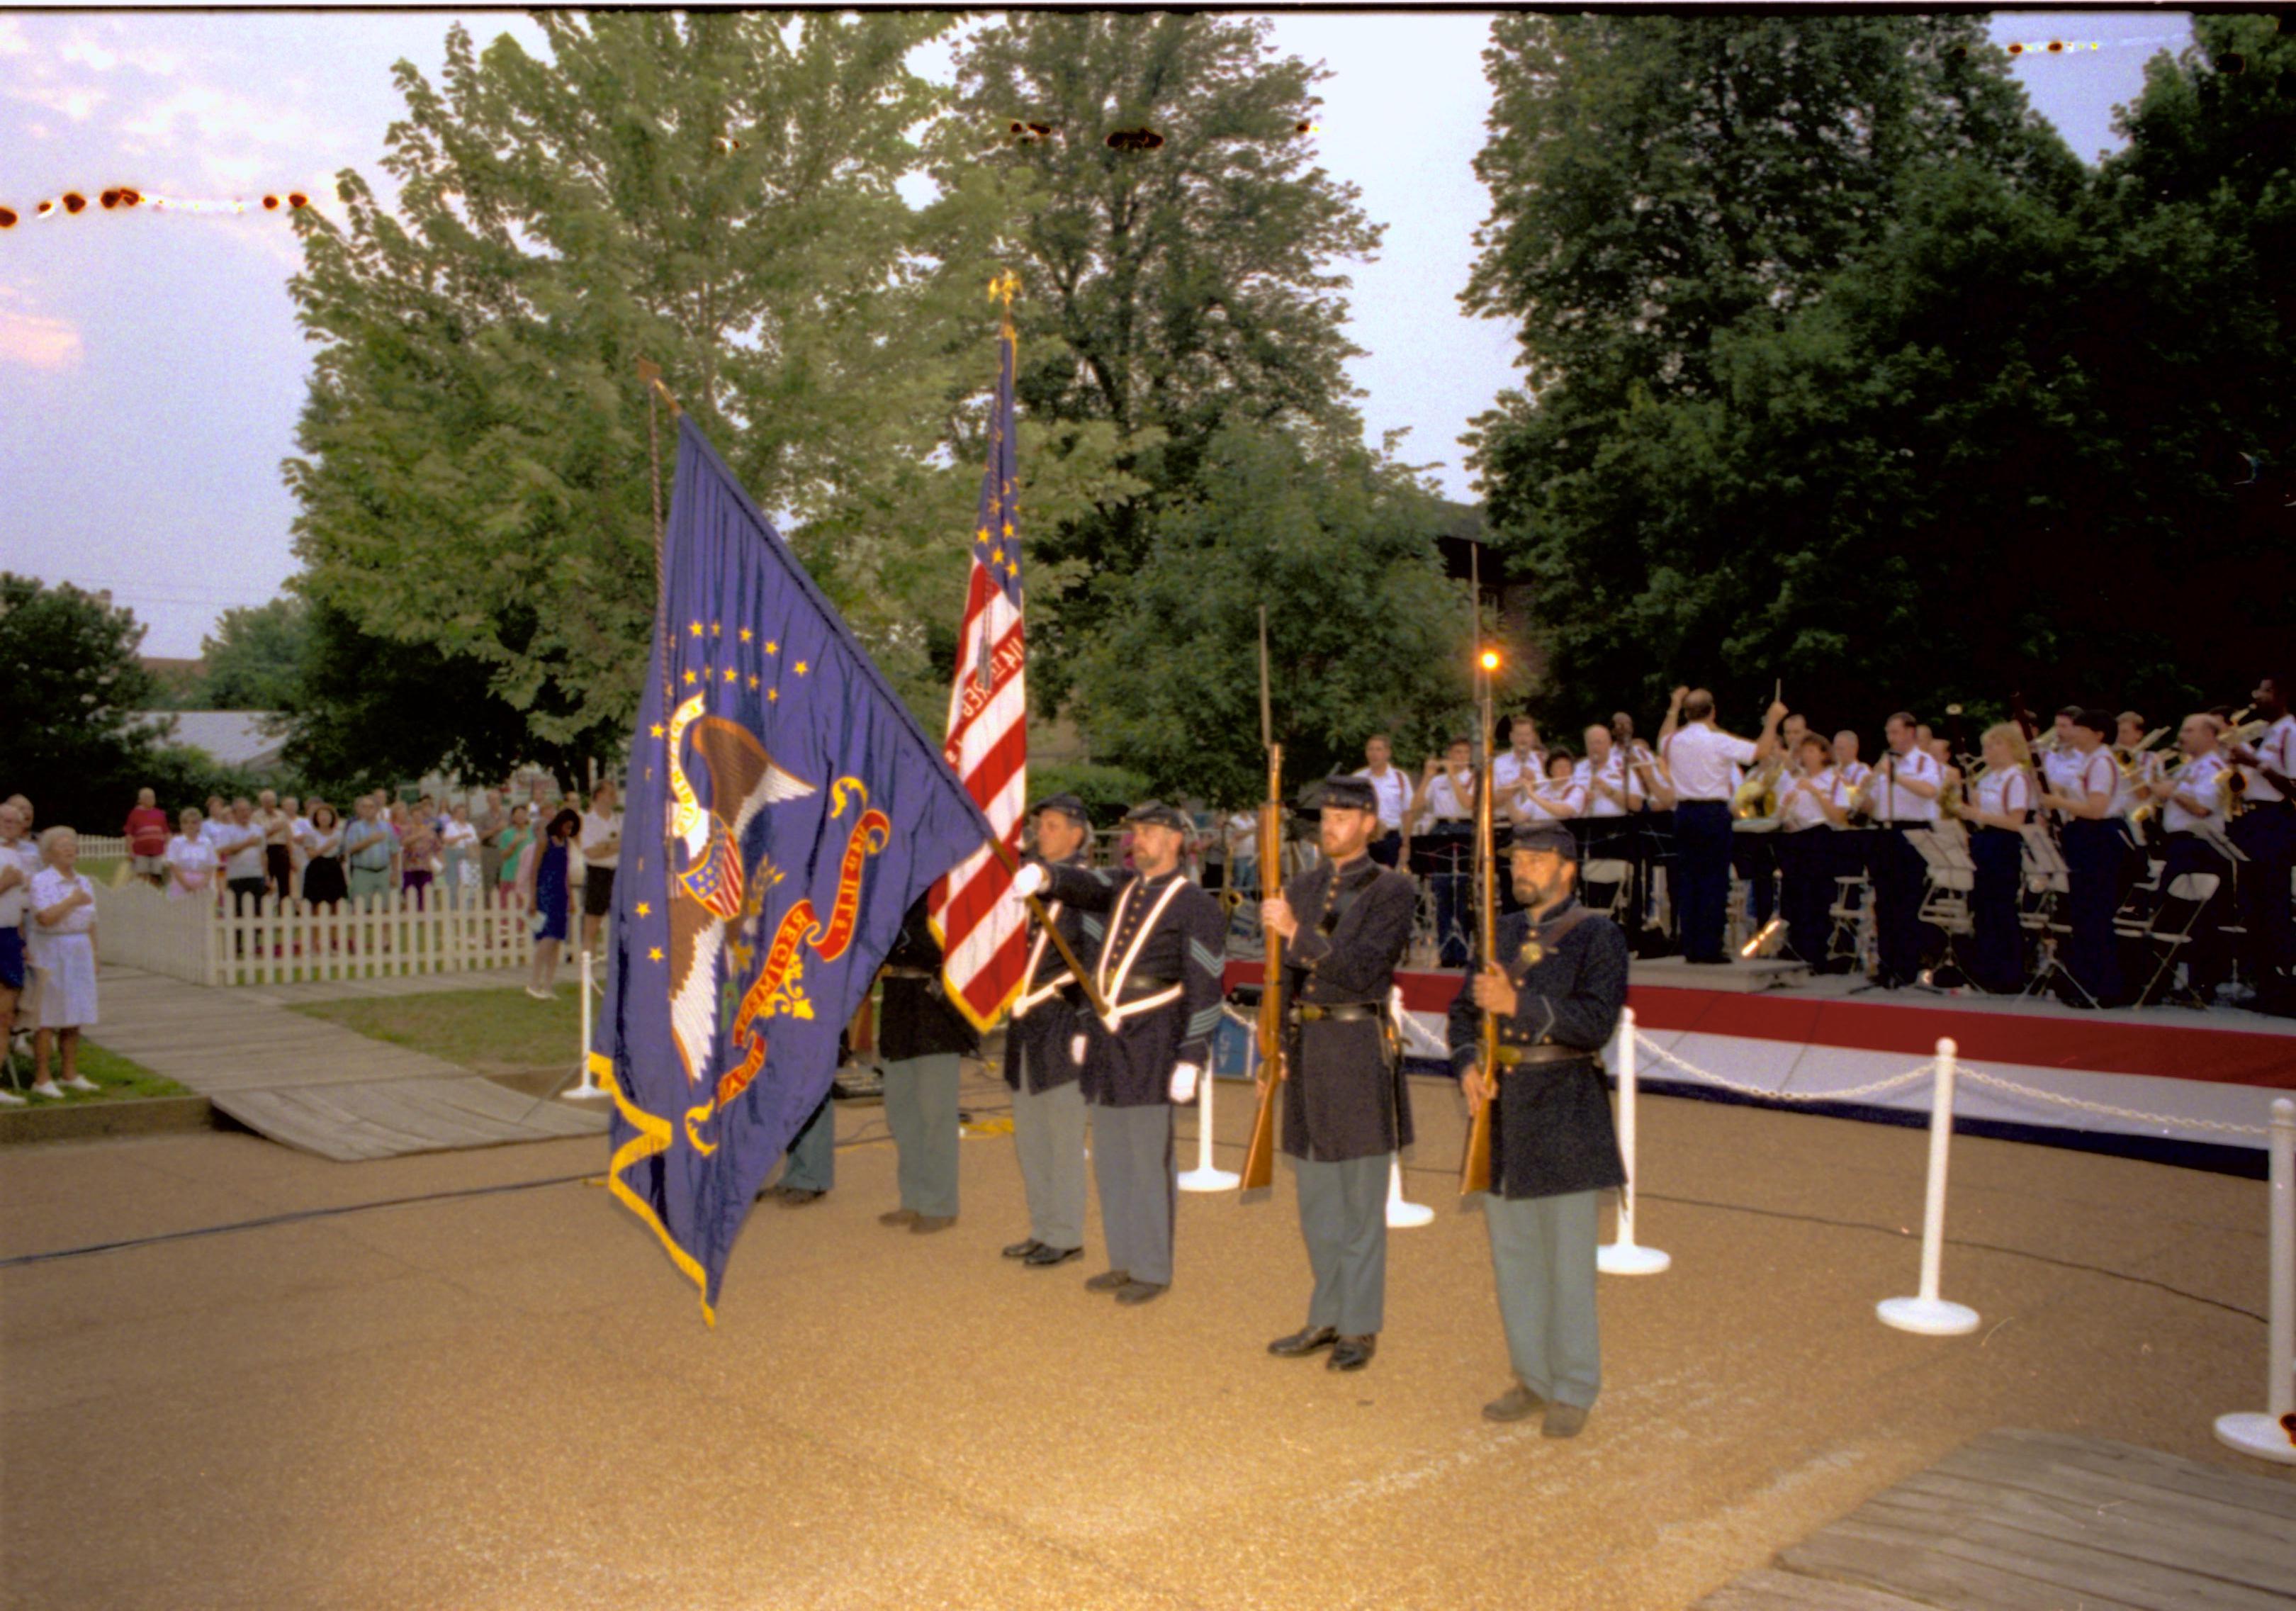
(783,810)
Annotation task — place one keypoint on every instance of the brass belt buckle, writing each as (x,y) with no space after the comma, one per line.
(1508,1057)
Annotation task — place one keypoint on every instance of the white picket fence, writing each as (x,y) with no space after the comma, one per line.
(271,942)
(102,847)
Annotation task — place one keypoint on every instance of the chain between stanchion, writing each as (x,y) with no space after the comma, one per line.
(1873,1087)
(1998,1083)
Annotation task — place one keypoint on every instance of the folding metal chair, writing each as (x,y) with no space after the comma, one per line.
(2176,917)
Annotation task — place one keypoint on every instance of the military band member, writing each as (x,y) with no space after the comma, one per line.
(2266,833)
(924,1039)
(1852,771)
(2192,810)
(2094,846)
(1393,788)
(1157,969)
(1523,762)
(1345,922)
(1813,803)
(1996,813)
(1609,792)
(1901,795)
(1444,808)
(1699,756)
(1556,984)
(1047,1097)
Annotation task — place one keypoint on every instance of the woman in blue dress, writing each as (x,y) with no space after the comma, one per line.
(549,897)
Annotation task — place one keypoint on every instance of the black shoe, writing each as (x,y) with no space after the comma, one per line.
(1044,1257)
(797,1196)
(1108,1280)
(1139,1292)
(1352,1353)
(1306,1340)
(1021,1250)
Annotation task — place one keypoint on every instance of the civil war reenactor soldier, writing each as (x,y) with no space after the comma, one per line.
(1047,1099)
(1345,923)
(924,1039)
(1158,971)
(1557,986)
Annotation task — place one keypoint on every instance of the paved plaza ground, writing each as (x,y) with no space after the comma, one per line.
(507,1398)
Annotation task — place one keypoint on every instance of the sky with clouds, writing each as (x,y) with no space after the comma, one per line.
(150,367)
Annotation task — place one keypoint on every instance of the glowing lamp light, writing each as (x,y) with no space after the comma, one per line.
(1490,659)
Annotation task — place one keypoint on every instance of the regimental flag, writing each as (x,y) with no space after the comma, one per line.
(783,810)
(984,938)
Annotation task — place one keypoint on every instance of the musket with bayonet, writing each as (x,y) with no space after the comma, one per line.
(1259,1156)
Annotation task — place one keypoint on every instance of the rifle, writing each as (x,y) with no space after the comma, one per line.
(1475,1168)
(1259,1156)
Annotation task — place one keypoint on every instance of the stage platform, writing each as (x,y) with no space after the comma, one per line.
(2190,1085)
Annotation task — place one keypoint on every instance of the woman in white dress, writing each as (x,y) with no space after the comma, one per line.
(460,855)
(62,949)
(190,861)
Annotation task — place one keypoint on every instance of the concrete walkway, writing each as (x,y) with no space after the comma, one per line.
(468,1397)
(316,1085)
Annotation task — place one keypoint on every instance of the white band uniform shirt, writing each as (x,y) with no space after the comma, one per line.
(1698,758)
(1531,804)
(1614,773)
(1394,792)
(1798,811)
(2060,772)
(1512,772)
(2278,749)
(2203,780)
(2005,790)
(1442,801)
(1895,802)
(2096,772)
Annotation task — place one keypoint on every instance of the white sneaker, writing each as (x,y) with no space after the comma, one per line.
(9,1099)
(81,1082)
(47,1088)
(541,995)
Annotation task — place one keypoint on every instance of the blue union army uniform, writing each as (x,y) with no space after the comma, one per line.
(1346,1107)
(1048,1118)
(1158,970)
(1552,1146)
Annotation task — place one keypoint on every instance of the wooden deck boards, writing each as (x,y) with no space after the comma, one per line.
(2034,1521)
(315,1085)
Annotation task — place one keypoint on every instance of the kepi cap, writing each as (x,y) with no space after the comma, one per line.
(1155,813)
(1348,791)
(1545,836)
(1067,805)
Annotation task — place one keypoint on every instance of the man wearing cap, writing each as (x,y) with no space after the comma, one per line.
(1345,922)
(1556,987)
(1158,972)
(924,1040)
(1047,1101)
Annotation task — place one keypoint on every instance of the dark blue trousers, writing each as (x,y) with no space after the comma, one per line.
(1997,953)
(1701,834)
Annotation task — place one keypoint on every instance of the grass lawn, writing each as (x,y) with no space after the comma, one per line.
(120,1079)
(504,1032)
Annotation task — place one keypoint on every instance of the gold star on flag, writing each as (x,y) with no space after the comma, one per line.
(800,668)
(1012,570)
(716,629)
(657,729)
(753,682)
(644,910)
(689,679)
(730,674)
(1008,528)
(772,647)
(654,954)
(746,635)
(696,628)
(773,693)
(996,556)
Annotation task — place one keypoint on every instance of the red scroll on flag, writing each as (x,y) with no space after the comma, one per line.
(984,938)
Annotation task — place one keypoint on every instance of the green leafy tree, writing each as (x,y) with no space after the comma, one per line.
(715,191)
(72,729)
(1365,633)
(255,657)
(1172,288)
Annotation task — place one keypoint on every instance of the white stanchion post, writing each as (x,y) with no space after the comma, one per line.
(1205,1176)
(2272,1435)
(1930,1314)
(1401,1213)
(1624,1256)
(587,1086)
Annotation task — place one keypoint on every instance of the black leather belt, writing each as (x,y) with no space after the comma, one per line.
(909,972)
(1336,1012)
(1511,1056)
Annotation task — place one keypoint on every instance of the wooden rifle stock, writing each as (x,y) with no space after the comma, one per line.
(1259,1157)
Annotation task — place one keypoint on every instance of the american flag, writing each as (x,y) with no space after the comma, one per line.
(984,938)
